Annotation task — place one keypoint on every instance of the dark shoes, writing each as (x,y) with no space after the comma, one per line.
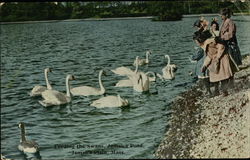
(225,93)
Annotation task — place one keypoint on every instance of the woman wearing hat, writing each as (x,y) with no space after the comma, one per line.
(228,35)
(217,61)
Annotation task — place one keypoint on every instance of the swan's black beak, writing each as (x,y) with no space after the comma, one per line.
(174,69)
(139,79)
(73,78)
(104,73)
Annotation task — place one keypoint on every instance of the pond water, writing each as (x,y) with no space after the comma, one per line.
(82,49)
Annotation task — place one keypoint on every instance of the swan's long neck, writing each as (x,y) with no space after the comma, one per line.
(136,65)
(47,81)
(147,56)
(140,82)
(68,87)
(23,138)
(152,73)
(167,56)
(100,82)
(119,99)
(171,72)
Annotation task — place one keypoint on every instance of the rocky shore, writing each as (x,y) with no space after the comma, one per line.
(217,127)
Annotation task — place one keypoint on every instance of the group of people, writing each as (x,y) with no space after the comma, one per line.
(218,56)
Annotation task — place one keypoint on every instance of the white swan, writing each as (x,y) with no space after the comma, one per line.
(110,101)
(26,146)
(87,91)
(143,61)
(53,97)
(129,83)
(139,79)
(37,90)
(140,82)
(168,70)
(124,71)
(124,83)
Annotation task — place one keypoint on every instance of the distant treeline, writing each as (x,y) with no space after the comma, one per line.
(34,11)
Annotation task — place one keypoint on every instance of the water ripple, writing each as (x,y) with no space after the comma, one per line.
(83,49)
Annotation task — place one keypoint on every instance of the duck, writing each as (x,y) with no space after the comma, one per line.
(89,91)
(142,62)
(37,90)
(53,97)
(27,146)
(110,101)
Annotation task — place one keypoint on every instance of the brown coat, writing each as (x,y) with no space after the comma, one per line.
(215,53)
(227,30)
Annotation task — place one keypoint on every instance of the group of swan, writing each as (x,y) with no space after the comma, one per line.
(143,61)
(136,79)
(139,80)
(53,97)
(129,83)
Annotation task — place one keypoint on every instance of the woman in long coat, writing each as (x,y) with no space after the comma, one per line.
(228,35)
(217,61)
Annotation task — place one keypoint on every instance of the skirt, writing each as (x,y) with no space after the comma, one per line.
(234,51)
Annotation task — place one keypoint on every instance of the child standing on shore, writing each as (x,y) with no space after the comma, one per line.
(217,61)
(199,56)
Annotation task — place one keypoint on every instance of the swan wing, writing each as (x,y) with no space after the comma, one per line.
(142,62)
(145,81)
(166,73)
(29,146)
(85,91)
(109,101)
(37,90)
(54,97)
(123,71)
(124,83)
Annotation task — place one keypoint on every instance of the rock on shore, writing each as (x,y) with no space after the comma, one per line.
(217,127)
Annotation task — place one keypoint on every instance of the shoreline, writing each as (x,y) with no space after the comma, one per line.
(107,19)
(78,20)
(215,127)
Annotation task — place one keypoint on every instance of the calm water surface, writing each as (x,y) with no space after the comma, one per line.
(82,49)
